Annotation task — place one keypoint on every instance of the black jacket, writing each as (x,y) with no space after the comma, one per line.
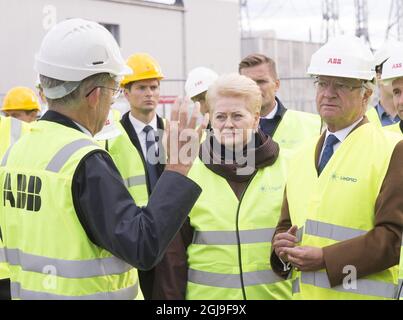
(113,221)
(269,126)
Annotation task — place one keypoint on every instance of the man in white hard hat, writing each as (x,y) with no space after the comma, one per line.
(65,211)
(384,113)
(344,191)
(392,74)
(288,128)
(197,83)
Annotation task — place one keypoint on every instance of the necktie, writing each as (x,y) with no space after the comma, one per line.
(331,140)
(151,151)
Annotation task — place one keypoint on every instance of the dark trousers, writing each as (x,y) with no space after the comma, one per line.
(5,293)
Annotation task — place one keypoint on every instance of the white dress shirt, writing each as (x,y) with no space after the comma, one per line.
(139,127)
(272,114)
(84,130)
(341,135)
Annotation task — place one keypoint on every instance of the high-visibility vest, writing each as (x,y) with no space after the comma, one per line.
(399,294)
(130,164)
(340,205)
(11,130)
(373,116)
(394,128)
(48,251)
(295,128)
(231,245)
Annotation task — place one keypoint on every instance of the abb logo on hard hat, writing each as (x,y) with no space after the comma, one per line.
(198,83)
(334,61)
(397,66)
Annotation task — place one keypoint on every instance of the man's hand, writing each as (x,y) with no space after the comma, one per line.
(305,258)
(281,241)
(182,137)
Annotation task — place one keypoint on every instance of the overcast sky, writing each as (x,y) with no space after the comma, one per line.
(293,19)
(302,19)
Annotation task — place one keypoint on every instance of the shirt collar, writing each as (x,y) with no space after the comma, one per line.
(84,130)
(382,113)
(273,113)
(343,133)
(139,125)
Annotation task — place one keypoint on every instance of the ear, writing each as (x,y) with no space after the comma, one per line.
(367,95)
(94,98)
(277,82)
(126,92)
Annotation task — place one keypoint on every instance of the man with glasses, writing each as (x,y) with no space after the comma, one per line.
(289,128)
(70,228)
(384,113)
(340,226)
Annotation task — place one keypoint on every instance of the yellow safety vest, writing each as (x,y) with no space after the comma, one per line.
(373,117)
(231,245)
(400,285)
(339,205)
(46,247)
(295,128)
(394,128)
(11,130)
(130,165)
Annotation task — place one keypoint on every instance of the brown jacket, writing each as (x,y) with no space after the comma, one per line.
(171,272)
(377,250)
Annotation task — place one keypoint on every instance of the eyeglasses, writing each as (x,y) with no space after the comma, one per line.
(116,91)
(339,86)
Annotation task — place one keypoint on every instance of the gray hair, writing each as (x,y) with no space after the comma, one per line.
(368,85)
(79,89)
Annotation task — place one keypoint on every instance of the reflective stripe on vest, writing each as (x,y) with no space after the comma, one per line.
(129,293)
(399,294)
(295,286)
(15,134)
(230,237)
(135,181)
(363,286)
(67,268)
(2,255)
(60,159)
(331,231)
(233,281)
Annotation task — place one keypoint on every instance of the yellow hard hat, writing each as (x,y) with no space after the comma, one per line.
(144,67)
(21,98)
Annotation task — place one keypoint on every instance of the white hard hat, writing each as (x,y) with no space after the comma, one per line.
(393,67)
(199,80)
(343,56)
(76,49)
(110,130)
(386,50)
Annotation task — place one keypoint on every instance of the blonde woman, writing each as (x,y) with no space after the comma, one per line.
(231,225)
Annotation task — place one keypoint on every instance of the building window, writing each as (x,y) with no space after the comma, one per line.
(114,29)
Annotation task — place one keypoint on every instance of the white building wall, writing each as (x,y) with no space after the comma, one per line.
(204,32)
